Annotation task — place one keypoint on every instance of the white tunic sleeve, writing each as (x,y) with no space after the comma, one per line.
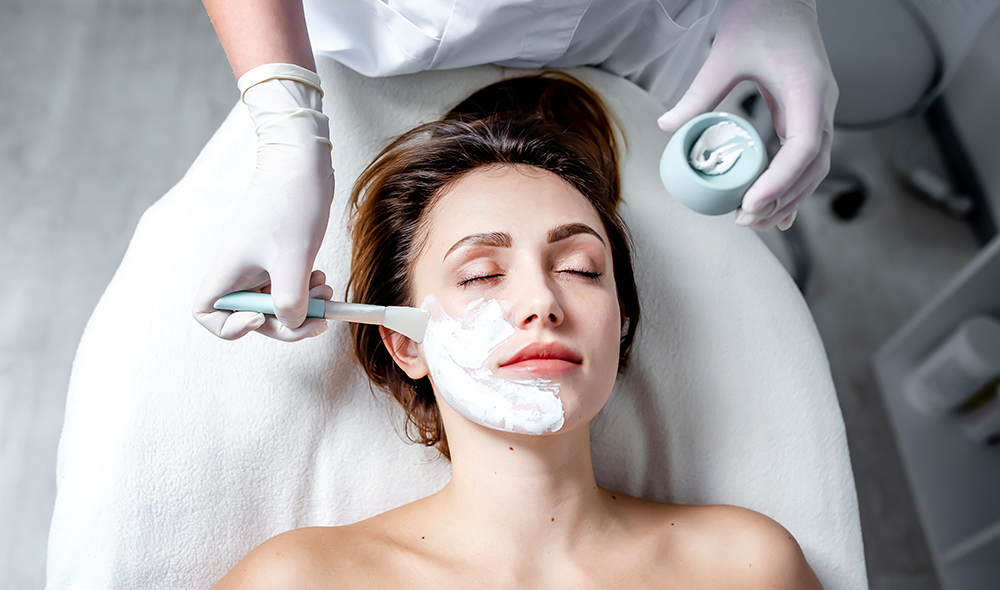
(390,37)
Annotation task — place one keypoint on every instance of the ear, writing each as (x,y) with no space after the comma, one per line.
(404,351)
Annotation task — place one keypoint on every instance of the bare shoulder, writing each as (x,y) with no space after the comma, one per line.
(747,549)
(717,546)
(306,558)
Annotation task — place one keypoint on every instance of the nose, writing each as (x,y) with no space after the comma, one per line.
(537,304)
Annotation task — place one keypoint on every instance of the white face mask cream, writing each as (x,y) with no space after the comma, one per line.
(718,148)
(458,351)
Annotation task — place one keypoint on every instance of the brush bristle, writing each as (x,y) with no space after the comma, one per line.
(408,321)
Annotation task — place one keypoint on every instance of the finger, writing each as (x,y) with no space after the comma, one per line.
(321,292)
(789,209)
(765,196)
(230,325)
(787,222)
(273,328)
(241,323)
(792,205)
(816,171)
(804,141)
(222,280)
(797,193)
(217,283)
(777,114)
(317,278)
(714,81)
(318,289)
(290,293)
(213,321)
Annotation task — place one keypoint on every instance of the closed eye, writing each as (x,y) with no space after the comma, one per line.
(584,273)
(587,274)
(478,279)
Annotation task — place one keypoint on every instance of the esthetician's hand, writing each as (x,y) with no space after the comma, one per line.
(276,229)
(268,325)
(777,44)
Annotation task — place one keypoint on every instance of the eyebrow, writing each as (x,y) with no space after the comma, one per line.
(495,239)
(571,229)
(503,239)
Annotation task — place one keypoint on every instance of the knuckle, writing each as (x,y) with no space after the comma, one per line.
(284,302)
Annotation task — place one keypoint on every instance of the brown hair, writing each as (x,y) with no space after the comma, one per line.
(551,121)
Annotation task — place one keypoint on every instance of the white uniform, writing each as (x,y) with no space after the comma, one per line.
(659,44)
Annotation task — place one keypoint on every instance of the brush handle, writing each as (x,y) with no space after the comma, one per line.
(261,303)
(358,313)
(400,319)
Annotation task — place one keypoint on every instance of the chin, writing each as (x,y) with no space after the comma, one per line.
(578,412)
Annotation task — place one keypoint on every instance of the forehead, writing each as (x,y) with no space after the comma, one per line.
(522,200)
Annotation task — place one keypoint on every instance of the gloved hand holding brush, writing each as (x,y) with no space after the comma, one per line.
(275,233)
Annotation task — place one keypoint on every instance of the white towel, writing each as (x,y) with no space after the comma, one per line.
(182,452)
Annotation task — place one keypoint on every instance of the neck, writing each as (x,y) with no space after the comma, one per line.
(532,495)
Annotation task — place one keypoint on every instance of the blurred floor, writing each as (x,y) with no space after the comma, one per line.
(104,104)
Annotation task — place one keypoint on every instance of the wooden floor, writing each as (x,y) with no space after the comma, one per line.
(103,105)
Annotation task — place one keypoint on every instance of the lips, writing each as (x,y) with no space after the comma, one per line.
(551,358)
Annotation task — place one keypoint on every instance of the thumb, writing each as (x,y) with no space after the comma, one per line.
(713,82)
(290,295)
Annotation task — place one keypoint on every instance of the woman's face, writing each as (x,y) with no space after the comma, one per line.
(530,241)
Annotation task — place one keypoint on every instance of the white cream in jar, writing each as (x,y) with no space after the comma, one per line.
(718,148)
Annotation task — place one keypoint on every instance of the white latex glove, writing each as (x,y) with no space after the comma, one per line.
(776,44)
(275,232)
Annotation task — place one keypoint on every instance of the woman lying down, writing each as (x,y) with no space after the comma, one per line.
(500,219)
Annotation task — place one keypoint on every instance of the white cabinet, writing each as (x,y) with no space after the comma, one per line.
(956,483)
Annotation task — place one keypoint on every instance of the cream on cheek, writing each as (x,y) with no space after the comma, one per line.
(457,352)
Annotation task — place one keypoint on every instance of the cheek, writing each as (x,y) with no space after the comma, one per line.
(602,332)
(611,334)
(610,338)
(607,324)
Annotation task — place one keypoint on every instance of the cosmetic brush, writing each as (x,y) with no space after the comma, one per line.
(408,321)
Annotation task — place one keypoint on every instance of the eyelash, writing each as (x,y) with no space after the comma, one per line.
(584,273)
(477,279)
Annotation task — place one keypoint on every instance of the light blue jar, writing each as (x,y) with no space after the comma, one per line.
(704,193)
